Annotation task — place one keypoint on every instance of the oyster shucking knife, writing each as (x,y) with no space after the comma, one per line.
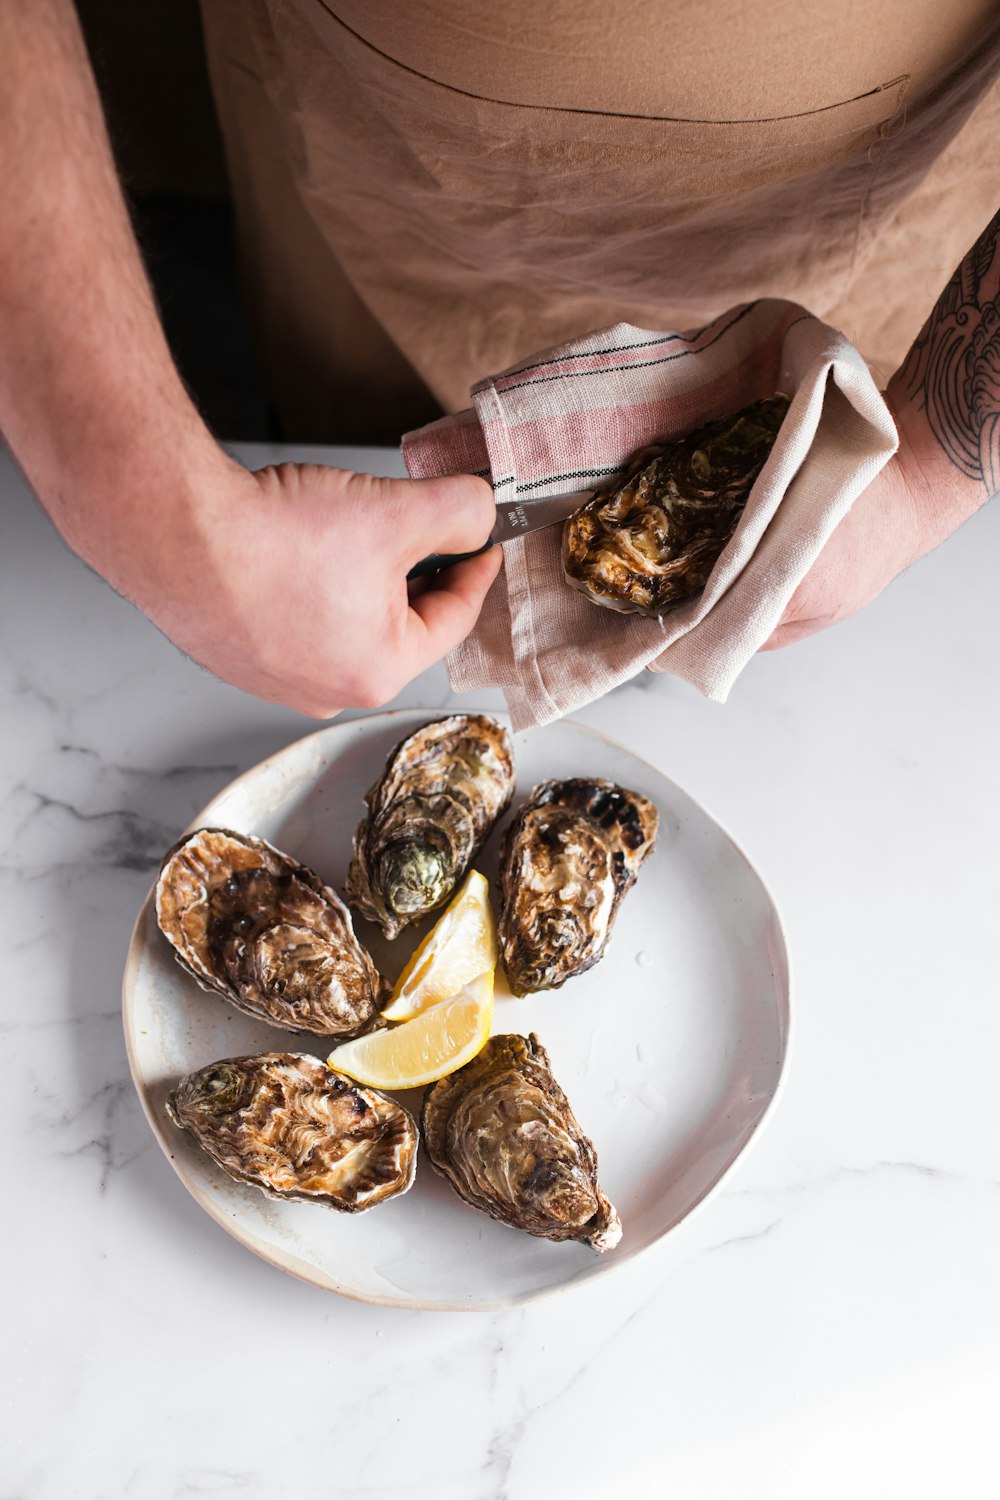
(517,513)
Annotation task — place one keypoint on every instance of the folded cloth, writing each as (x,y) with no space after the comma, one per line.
(578,413)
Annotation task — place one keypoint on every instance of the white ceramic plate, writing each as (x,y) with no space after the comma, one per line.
(671,1050)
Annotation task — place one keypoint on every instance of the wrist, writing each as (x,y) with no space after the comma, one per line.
(141,512)
(940,494)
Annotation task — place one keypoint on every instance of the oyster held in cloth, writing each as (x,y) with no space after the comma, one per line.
(503,1133)
(567,860)
(651,540)
(441,792)
(287,1124)
(266,933)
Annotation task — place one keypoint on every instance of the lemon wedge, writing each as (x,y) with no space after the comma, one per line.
(438,1041)
(460,946)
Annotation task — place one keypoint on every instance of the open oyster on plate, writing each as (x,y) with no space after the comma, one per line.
(650,540)
(263,931)
(503,1133)
(566,862)
(441,792)
(287,1124)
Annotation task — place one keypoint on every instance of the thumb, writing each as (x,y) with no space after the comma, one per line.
(454,513)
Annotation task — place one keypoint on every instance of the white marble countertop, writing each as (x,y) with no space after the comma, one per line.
(828,1325)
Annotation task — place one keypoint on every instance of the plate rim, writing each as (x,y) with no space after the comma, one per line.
(291,1264)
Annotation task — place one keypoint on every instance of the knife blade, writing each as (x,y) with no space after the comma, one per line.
(518,512)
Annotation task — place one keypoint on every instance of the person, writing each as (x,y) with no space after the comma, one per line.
(451,196)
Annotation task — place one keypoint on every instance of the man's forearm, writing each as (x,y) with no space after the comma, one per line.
(90,400)
(946,395)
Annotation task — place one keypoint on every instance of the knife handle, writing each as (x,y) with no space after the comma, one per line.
(439,560)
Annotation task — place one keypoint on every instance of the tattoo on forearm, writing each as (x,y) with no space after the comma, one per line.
(953,369)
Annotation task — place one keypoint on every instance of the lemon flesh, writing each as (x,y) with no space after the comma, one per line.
(460,946)
(437,1042)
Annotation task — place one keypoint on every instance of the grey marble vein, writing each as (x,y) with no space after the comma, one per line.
(196,1482)
(132,841)
(742,1239)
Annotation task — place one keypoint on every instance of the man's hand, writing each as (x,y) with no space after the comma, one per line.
(876,540)
(291,582)
(914,504)
(946,402)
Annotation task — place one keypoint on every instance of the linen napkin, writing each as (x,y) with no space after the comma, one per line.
(574,415)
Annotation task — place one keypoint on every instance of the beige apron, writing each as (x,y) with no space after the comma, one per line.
(430,190)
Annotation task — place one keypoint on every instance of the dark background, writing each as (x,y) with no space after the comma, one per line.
(149,62)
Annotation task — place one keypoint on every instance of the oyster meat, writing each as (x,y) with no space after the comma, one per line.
(267,934)
(293,1128)
(441,792)
(567,860)
(650,541)
(503,1133)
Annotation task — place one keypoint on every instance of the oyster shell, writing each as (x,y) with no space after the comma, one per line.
(503,1133)
(287,1124)
(266,933)
(566,861)
(441,792)
(650,541)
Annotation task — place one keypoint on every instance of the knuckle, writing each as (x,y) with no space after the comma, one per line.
(485,495)
(373,688)
(302,704)
(483,507)
(466,495)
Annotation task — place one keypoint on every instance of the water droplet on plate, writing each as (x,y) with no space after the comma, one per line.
(643,959)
